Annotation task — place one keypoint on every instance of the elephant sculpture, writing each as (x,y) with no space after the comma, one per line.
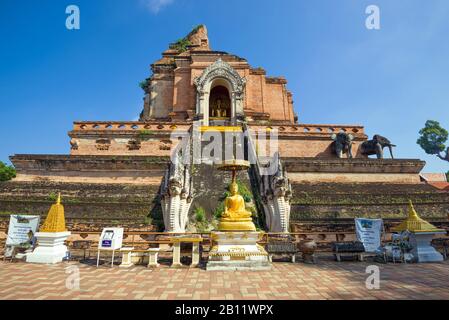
(74,144)
(343,144)
(376,146)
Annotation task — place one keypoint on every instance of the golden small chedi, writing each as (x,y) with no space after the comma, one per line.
(235,216)
(414,223)
(55,221)
(51,237)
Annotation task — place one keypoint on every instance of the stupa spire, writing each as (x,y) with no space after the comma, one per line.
(55,221)
(414,223)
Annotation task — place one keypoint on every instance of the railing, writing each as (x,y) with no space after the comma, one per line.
(128,126)
(313,128)
(146,239)
(170,126)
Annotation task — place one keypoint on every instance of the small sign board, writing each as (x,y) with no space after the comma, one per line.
(369,233)
(111,239)
(21,229)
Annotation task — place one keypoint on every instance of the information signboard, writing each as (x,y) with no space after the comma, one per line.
(22,229)
(369,233)
(111,239)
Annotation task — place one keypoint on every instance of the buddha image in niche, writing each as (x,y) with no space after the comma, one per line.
(219,109)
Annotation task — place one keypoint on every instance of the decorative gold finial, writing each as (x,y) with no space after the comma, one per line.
(55,221)
(412,214)
(414,223)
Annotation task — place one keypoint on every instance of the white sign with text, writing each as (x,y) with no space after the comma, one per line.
(369,233)
(111,239)
(21,229)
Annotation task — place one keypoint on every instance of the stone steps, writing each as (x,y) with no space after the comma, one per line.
(119,204)
(323,201)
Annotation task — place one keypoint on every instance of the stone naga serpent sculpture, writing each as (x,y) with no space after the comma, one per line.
(177,194)
(376,146)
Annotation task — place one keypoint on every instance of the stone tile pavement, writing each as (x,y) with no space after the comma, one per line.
(325,280)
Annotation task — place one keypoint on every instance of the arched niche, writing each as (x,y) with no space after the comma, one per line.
(219,74)
(219,102)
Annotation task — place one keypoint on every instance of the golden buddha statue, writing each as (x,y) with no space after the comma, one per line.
(219,109)
(235,216)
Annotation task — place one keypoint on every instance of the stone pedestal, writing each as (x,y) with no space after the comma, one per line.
(177,251)
(50,249)
(176,255)
(126,257)
(237,251)
(422,248)
(152,257)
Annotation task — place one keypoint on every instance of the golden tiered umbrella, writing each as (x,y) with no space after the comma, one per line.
(414,223)
(55,221)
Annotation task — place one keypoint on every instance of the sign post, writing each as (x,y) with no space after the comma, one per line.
(111,239)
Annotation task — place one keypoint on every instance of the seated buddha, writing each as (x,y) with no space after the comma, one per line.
(219,109)
(235,216)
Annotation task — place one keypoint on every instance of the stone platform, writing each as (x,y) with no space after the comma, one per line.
(237,251)
(238,266)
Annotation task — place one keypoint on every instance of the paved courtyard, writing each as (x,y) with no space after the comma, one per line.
(326,280)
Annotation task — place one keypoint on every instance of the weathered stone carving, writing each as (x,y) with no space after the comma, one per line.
(165,145)
(342,144)
(176,195)
(134,145)
(376,146)
(276,193)
(74,144)
(103,144)
(221,69)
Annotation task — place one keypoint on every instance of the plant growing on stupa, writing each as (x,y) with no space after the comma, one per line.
(6,172)
(433,138)
(145,134)
(181,45)
(200,214)
(144,84)
(52,196)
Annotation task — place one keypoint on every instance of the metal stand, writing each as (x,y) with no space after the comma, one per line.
(98,257)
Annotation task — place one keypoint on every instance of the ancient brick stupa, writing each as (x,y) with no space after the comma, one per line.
(120,172)
(51,237)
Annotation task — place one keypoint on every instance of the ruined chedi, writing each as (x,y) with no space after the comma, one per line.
(120,172)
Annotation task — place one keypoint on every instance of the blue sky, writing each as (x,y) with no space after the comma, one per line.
(390,80)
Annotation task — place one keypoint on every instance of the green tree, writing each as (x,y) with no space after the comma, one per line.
(433,138)
(6,172)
